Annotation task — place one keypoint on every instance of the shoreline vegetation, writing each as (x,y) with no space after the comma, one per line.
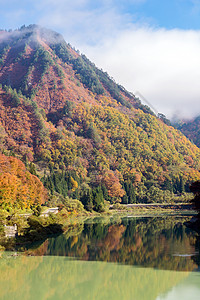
(35,228)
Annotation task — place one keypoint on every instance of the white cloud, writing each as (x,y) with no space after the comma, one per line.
(163,65)
(83,21)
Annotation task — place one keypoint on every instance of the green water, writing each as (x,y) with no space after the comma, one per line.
(61,278)
(136,259)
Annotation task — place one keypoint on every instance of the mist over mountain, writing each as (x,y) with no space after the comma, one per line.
(191,129)
(88,137)
(38,52)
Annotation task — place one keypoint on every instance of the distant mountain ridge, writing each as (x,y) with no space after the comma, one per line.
(89,138)
(191,129)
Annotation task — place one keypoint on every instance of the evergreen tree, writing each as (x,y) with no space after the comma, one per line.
(182,185)
(130,196)
(125,199)
(98,199)
(87,199)
(32,169)
(105,193)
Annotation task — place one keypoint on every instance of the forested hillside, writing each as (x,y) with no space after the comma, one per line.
(191,129)
(85,136)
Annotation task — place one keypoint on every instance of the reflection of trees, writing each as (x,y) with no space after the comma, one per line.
(146,242)
(196,258)
(195,222)
(59,278)
(157,240)
(195,189)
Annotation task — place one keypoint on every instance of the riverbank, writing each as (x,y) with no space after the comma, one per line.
(38,228)
(152,209)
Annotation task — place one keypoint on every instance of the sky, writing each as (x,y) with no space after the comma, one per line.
(151,47)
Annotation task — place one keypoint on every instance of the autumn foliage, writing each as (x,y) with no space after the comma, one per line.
(18,187)
(113,185)
(59,111)
(191,128)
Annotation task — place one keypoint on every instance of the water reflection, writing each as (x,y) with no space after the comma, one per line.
(163,243)
(57,278)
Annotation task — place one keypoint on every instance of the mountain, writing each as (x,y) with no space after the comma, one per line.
(87,136)
(191,129)
(40,64)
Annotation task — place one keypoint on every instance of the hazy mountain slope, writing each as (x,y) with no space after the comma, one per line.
(84,131)
(191,129)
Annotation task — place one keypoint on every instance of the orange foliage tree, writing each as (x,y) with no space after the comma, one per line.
(113,185)
(18,187)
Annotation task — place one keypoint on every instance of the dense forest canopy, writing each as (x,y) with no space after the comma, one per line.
(83,134)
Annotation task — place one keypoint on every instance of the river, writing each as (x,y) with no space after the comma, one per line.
(124,258)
